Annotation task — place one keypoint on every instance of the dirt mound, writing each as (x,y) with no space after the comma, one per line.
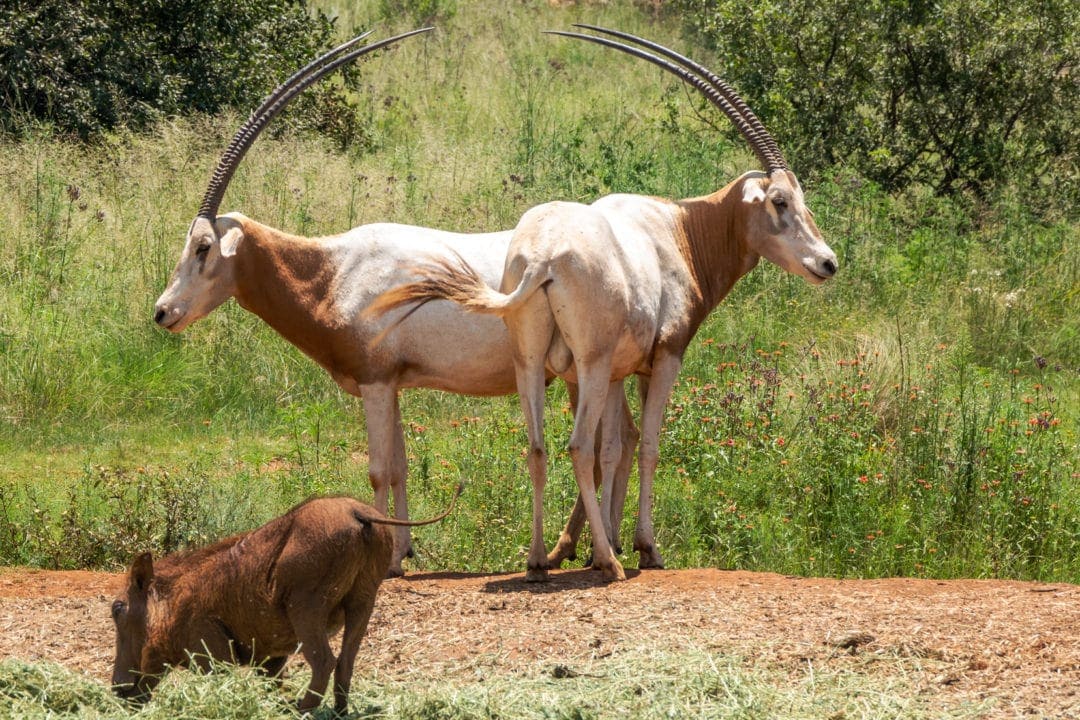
(967,640)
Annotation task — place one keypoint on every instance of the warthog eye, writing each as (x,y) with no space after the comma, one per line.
(117,608)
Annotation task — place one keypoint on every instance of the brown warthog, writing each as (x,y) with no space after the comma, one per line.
(255,597)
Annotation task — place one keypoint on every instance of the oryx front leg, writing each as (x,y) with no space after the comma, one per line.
(387,465)
(611,452)
(629,437)
(566,548)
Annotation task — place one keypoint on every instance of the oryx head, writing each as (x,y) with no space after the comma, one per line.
(782,229)
(779,225)
(204,275)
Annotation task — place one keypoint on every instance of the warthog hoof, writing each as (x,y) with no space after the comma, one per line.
(395,572)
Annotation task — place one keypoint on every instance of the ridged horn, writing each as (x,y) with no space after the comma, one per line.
(718,92)
(721,86)
(274,103)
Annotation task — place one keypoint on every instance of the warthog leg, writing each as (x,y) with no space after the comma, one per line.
(358,607)
(310,623)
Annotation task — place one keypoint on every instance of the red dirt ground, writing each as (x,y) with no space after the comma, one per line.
(1015,644)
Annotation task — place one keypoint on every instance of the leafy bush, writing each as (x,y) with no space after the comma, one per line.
(961,95)
(85,66)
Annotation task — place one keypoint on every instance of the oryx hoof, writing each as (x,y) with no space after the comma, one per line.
(614,572)
(565,549)
(648,557)
(536,574)
(556,557)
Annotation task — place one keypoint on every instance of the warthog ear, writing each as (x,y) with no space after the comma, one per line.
(142,572)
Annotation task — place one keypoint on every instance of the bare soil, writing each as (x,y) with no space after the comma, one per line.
(955,642)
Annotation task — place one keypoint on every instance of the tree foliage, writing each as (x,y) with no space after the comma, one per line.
(84,66)
(959,94)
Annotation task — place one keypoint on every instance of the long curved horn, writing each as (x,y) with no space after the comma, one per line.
(301,73)
(718,92)
(275,103)
(721,86)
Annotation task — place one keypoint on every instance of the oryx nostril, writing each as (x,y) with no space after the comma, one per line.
(830,267)
(159,316)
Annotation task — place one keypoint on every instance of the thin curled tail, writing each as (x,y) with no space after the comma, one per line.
(415,523)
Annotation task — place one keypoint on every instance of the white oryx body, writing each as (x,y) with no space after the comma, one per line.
(597,292)
(313,291)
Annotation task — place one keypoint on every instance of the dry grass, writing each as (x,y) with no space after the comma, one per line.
(700,643)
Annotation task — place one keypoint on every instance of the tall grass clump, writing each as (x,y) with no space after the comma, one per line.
(916,415)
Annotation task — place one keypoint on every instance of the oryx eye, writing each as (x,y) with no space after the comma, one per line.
(779,202)
(201,249)
(117,608)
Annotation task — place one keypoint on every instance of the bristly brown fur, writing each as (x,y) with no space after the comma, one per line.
(255,597)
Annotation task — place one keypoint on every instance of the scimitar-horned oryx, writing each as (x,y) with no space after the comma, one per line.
(597,292)
(313,291)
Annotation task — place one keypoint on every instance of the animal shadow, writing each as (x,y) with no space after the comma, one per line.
(560,581)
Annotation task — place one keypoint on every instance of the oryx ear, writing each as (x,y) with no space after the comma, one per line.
(754,190)
(231,238)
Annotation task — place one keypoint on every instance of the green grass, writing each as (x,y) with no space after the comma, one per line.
(915,416)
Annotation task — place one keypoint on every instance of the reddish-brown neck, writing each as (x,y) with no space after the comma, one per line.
(712,239)
(288,281)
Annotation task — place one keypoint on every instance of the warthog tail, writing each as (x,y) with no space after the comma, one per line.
(414,523)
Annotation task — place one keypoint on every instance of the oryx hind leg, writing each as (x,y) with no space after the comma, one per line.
(530,334)
(595,388)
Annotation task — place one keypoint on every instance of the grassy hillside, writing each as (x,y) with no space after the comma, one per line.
(917,415)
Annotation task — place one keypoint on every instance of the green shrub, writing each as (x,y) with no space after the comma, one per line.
(960,95)
(86,66)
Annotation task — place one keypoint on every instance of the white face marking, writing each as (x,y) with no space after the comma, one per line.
(788,235)
(203,277)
